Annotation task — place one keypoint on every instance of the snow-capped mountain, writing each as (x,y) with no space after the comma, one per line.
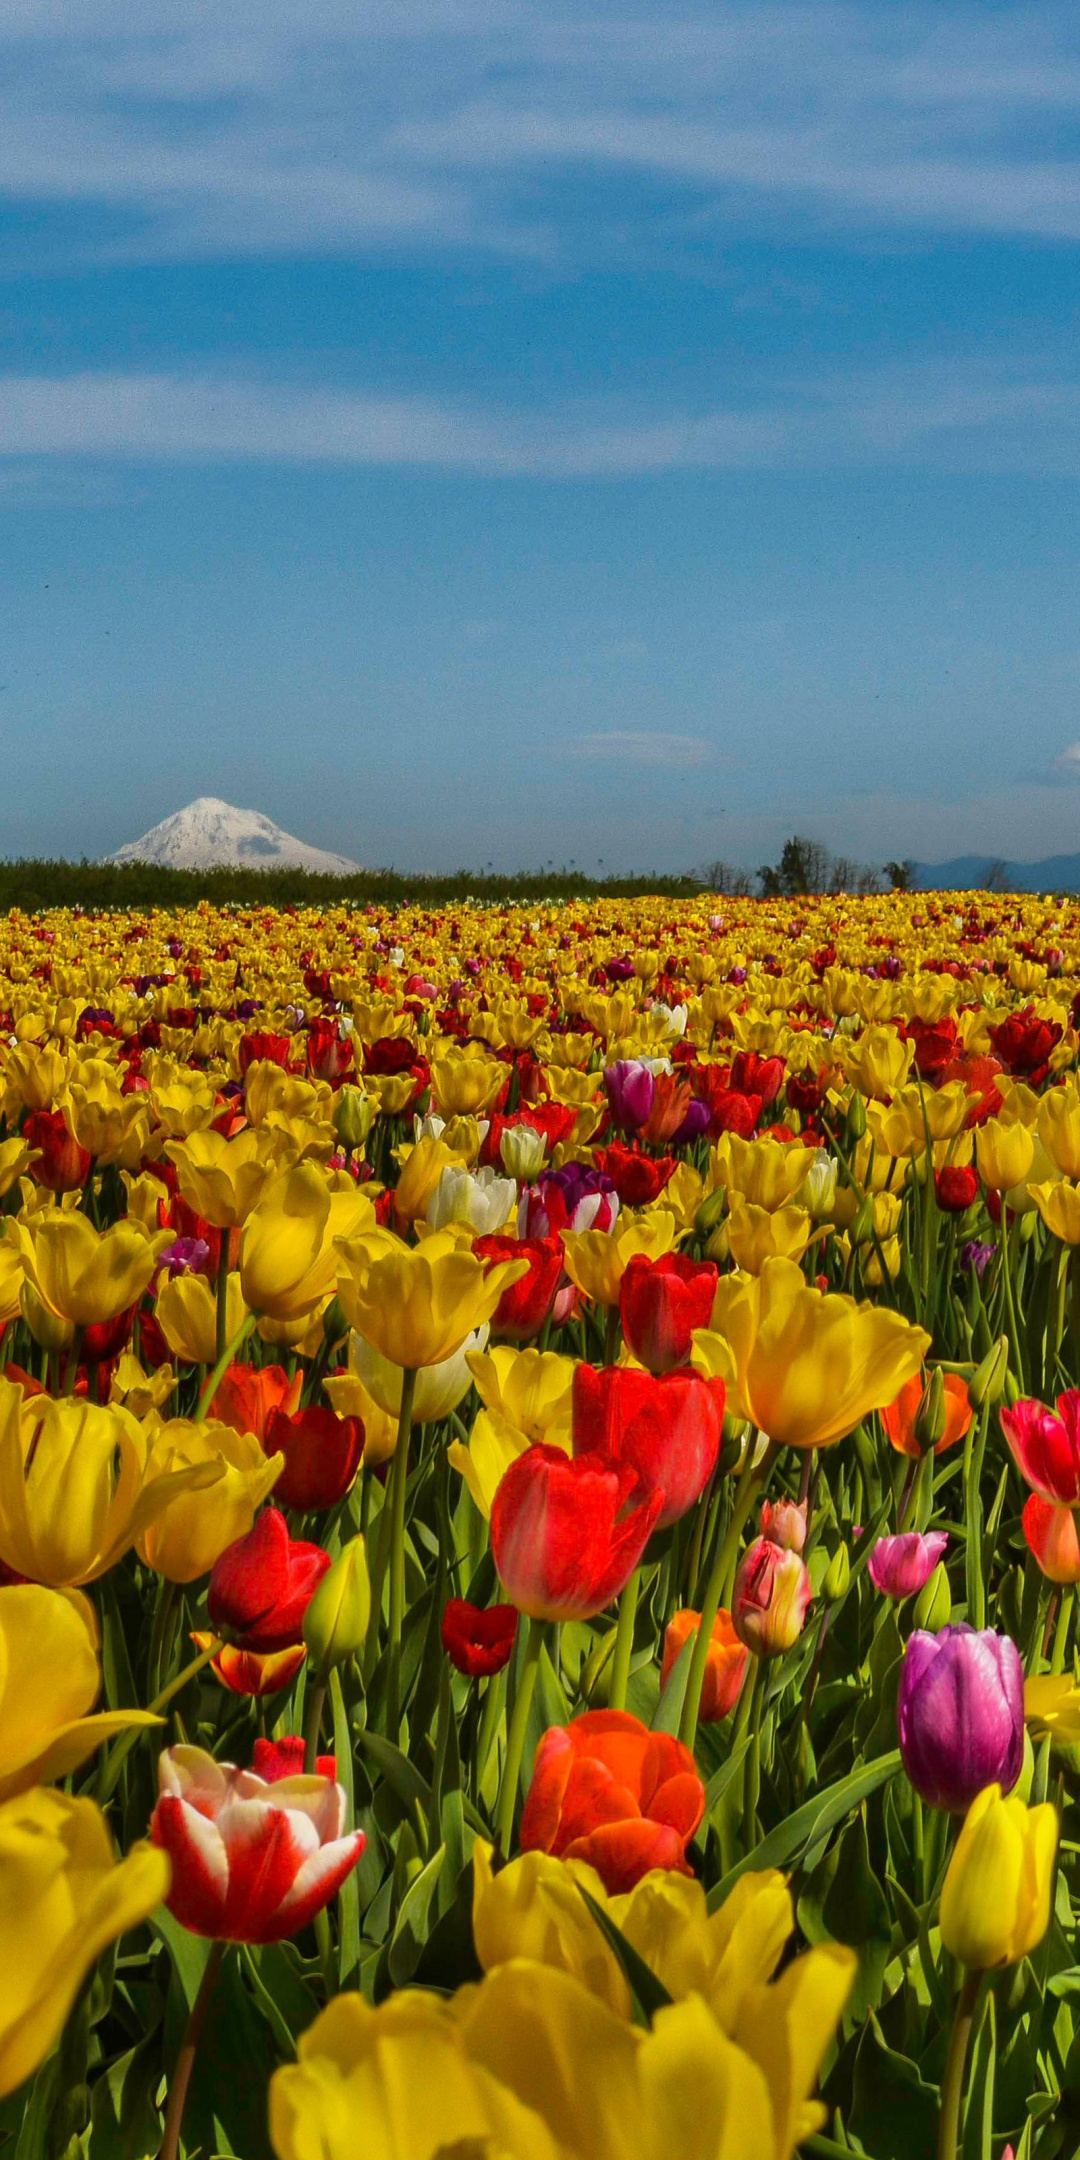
(209,834)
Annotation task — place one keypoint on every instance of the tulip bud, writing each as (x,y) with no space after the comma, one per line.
(783,1522)
(929,1424)
(711,1212)
(1012,1847)
(354,1113)
(718,1246)
(336,1621)
(817,1193)
(837,1576)
(933,1606)
(987,1383)
(856,1117)
(733,1440)
(770,1599)
(523,1151)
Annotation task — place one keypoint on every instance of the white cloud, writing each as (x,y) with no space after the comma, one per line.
(1067,765)
(248,127)
(963,418)
(631,746)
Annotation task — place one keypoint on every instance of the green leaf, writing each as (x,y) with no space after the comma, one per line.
(401,1775)
(785,1845)
(894,2111)
(348,1902)
(411,1931)
(649,1993)
(668,1713)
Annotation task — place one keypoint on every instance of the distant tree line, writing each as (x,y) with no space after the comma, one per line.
(806,866)
(34,885)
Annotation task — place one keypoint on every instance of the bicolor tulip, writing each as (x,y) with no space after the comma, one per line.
(1050,1534)
(771,1598)
(252,1861)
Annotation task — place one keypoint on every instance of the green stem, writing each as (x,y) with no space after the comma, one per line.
(751,1769)
(750,1485)
(185,2061)
(952,2089)
(624,1642)
(1057,1661)
(515,1745)
(399,1479)
(489,1720)
(311,1727)
(230,1351)
(113,1764)
(222,1335)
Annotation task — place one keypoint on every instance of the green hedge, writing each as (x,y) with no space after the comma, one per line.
(33,885)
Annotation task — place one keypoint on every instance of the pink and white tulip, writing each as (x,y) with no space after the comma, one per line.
(252,1861)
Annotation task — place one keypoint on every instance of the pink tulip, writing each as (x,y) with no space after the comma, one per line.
(252,1861)
(899,1566)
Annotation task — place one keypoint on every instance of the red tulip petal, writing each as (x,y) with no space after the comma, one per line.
(200,1869)
(623,1852)
(266,1849)
(551,1769)
(318,1881)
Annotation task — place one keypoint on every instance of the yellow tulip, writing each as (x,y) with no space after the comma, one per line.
(756,1235)
(1059,1127)
(533,1908)
(145,1194)
(15,1158)
(347,1395)
(186,1538)
(11,1282)
(114,1127)
(1059,1205)
(34,1076)
(80,1274)
(184,1099)
(767,1173)
(288,1255)
(222,1179)
(421,1170)
(995,1902)
(63,1897)
(803,1364)
(532,1388)
(139,1391)
(597,1260)
(416,1306)
(494,1443)
(1004,1153)
(186,1312)
(50,1679)
(879,1062)
(270,1091)
(1052,1706)
(76,1486)
(466,1084)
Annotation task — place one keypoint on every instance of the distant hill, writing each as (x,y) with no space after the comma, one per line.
(1056,873)
(214,835)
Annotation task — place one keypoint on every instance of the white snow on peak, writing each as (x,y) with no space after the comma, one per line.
(210,833)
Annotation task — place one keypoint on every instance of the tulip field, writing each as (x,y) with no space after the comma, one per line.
(539,1501)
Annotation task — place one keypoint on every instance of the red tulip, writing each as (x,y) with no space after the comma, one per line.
(254,1048)
(608,1791)
(275,1759)
(667,1429)
(62,1165)
(662,1302)
(1045,1448)
(322,1455)
(757,1075)
(478,1640)
(1050,1531)
(638,1179)
(523,1309)
(1023,1042)
(329,1055)
(251,1861)
(956,1186)
(248,1395)
(726,1667)
(262,1585)
(564,1541)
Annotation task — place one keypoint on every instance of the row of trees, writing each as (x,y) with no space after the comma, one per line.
(806,866)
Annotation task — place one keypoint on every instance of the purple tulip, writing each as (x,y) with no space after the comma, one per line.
(899,1566)
(630,1089)
(961,1714)
(693,1124)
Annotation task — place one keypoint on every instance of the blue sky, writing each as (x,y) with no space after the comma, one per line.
(541,432)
